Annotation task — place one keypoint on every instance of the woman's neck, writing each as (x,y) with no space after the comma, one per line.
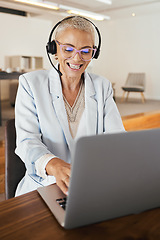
(70,89)
(71,84)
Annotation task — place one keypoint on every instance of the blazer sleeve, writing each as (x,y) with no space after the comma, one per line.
(29,145)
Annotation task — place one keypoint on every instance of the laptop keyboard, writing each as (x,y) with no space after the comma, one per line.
(62,202)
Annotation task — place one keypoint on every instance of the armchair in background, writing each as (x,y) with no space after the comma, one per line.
(135,83)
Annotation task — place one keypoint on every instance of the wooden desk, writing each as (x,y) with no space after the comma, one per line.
(27,217)
(141,121)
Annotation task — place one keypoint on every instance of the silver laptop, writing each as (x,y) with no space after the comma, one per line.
(113,175)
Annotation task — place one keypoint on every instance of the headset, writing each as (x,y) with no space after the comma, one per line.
(51,46)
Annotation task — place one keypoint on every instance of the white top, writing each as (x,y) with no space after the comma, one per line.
(74,113)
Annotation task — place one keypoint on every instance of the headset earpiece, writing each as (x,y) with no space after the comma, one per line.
(52,47)
(97,52)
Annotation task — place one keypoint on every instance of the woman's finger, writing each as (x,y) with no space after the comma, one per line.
(62,186)
(66,180)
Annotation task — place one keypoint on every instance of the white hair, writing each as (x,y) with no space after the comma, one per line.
(75,22)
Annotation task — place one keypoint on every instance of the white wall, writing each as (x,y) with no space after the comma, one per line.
(22,36)
(128,45)
(131,45)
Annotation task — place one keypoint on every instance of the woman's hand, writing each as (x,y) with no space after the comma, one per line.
(61,171)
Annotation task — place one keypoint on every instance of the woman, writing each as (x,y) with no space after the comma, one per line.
(53,111)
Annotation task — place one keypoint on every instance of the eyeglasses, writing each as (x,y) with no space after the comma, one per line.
(68,52)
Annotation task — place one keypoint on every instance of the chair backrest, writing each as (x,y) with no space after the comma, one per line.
(135,79)
(14,167)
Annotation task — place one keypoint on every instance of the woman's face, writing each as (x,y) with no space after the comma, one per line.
(74,67)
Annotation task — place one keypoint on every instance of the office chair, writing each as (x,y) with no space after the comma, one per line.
(135,83)
(14,167)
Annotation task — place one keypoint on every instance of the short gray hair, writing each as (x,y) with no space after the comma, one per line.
(75,22)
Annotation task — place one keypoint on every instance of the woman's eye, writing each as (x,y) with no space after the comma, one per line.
(69,49)
(85,51)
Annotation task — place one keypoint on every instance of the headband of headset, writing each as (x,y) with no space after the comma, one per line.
(51,46)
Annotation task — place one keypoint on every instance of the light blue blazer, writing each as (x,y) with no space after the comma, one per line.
(42,125)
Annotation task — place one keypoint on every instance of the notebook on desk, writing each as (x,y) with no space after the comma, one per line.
(113,175)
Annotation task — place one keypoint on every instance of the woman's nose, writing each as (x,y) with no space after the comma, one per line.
(77,56)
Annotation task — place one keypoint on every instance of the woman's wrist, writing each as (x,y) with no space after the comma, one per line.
(51,166)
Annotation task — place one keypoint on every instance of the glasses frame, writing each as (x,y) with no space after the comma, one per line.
(77,51)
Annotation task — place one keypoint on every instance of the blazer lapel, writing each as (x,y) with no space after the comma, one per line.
(91,106)
(57,98)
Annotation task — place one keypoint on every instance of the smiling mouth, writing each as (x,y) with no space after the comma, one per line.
(75,67)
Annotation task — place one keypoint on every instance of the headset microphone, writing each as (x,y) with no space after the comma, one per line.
(51,46)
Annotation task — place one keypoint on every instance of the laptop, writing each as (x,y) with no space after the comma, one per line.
(112,175)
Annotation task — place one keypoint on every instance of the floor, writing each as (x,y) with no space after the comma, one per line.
(133,106)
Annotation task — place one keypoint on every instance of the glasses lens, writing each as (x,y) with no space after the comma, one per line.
(87,54)
(68,51)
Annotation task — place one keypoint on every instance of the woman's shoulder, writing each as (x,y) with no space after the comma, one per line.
(98,79)
(34,79)
(35,75)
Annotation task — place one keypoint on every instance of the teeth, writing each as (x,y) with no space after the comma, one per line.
(74,66)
